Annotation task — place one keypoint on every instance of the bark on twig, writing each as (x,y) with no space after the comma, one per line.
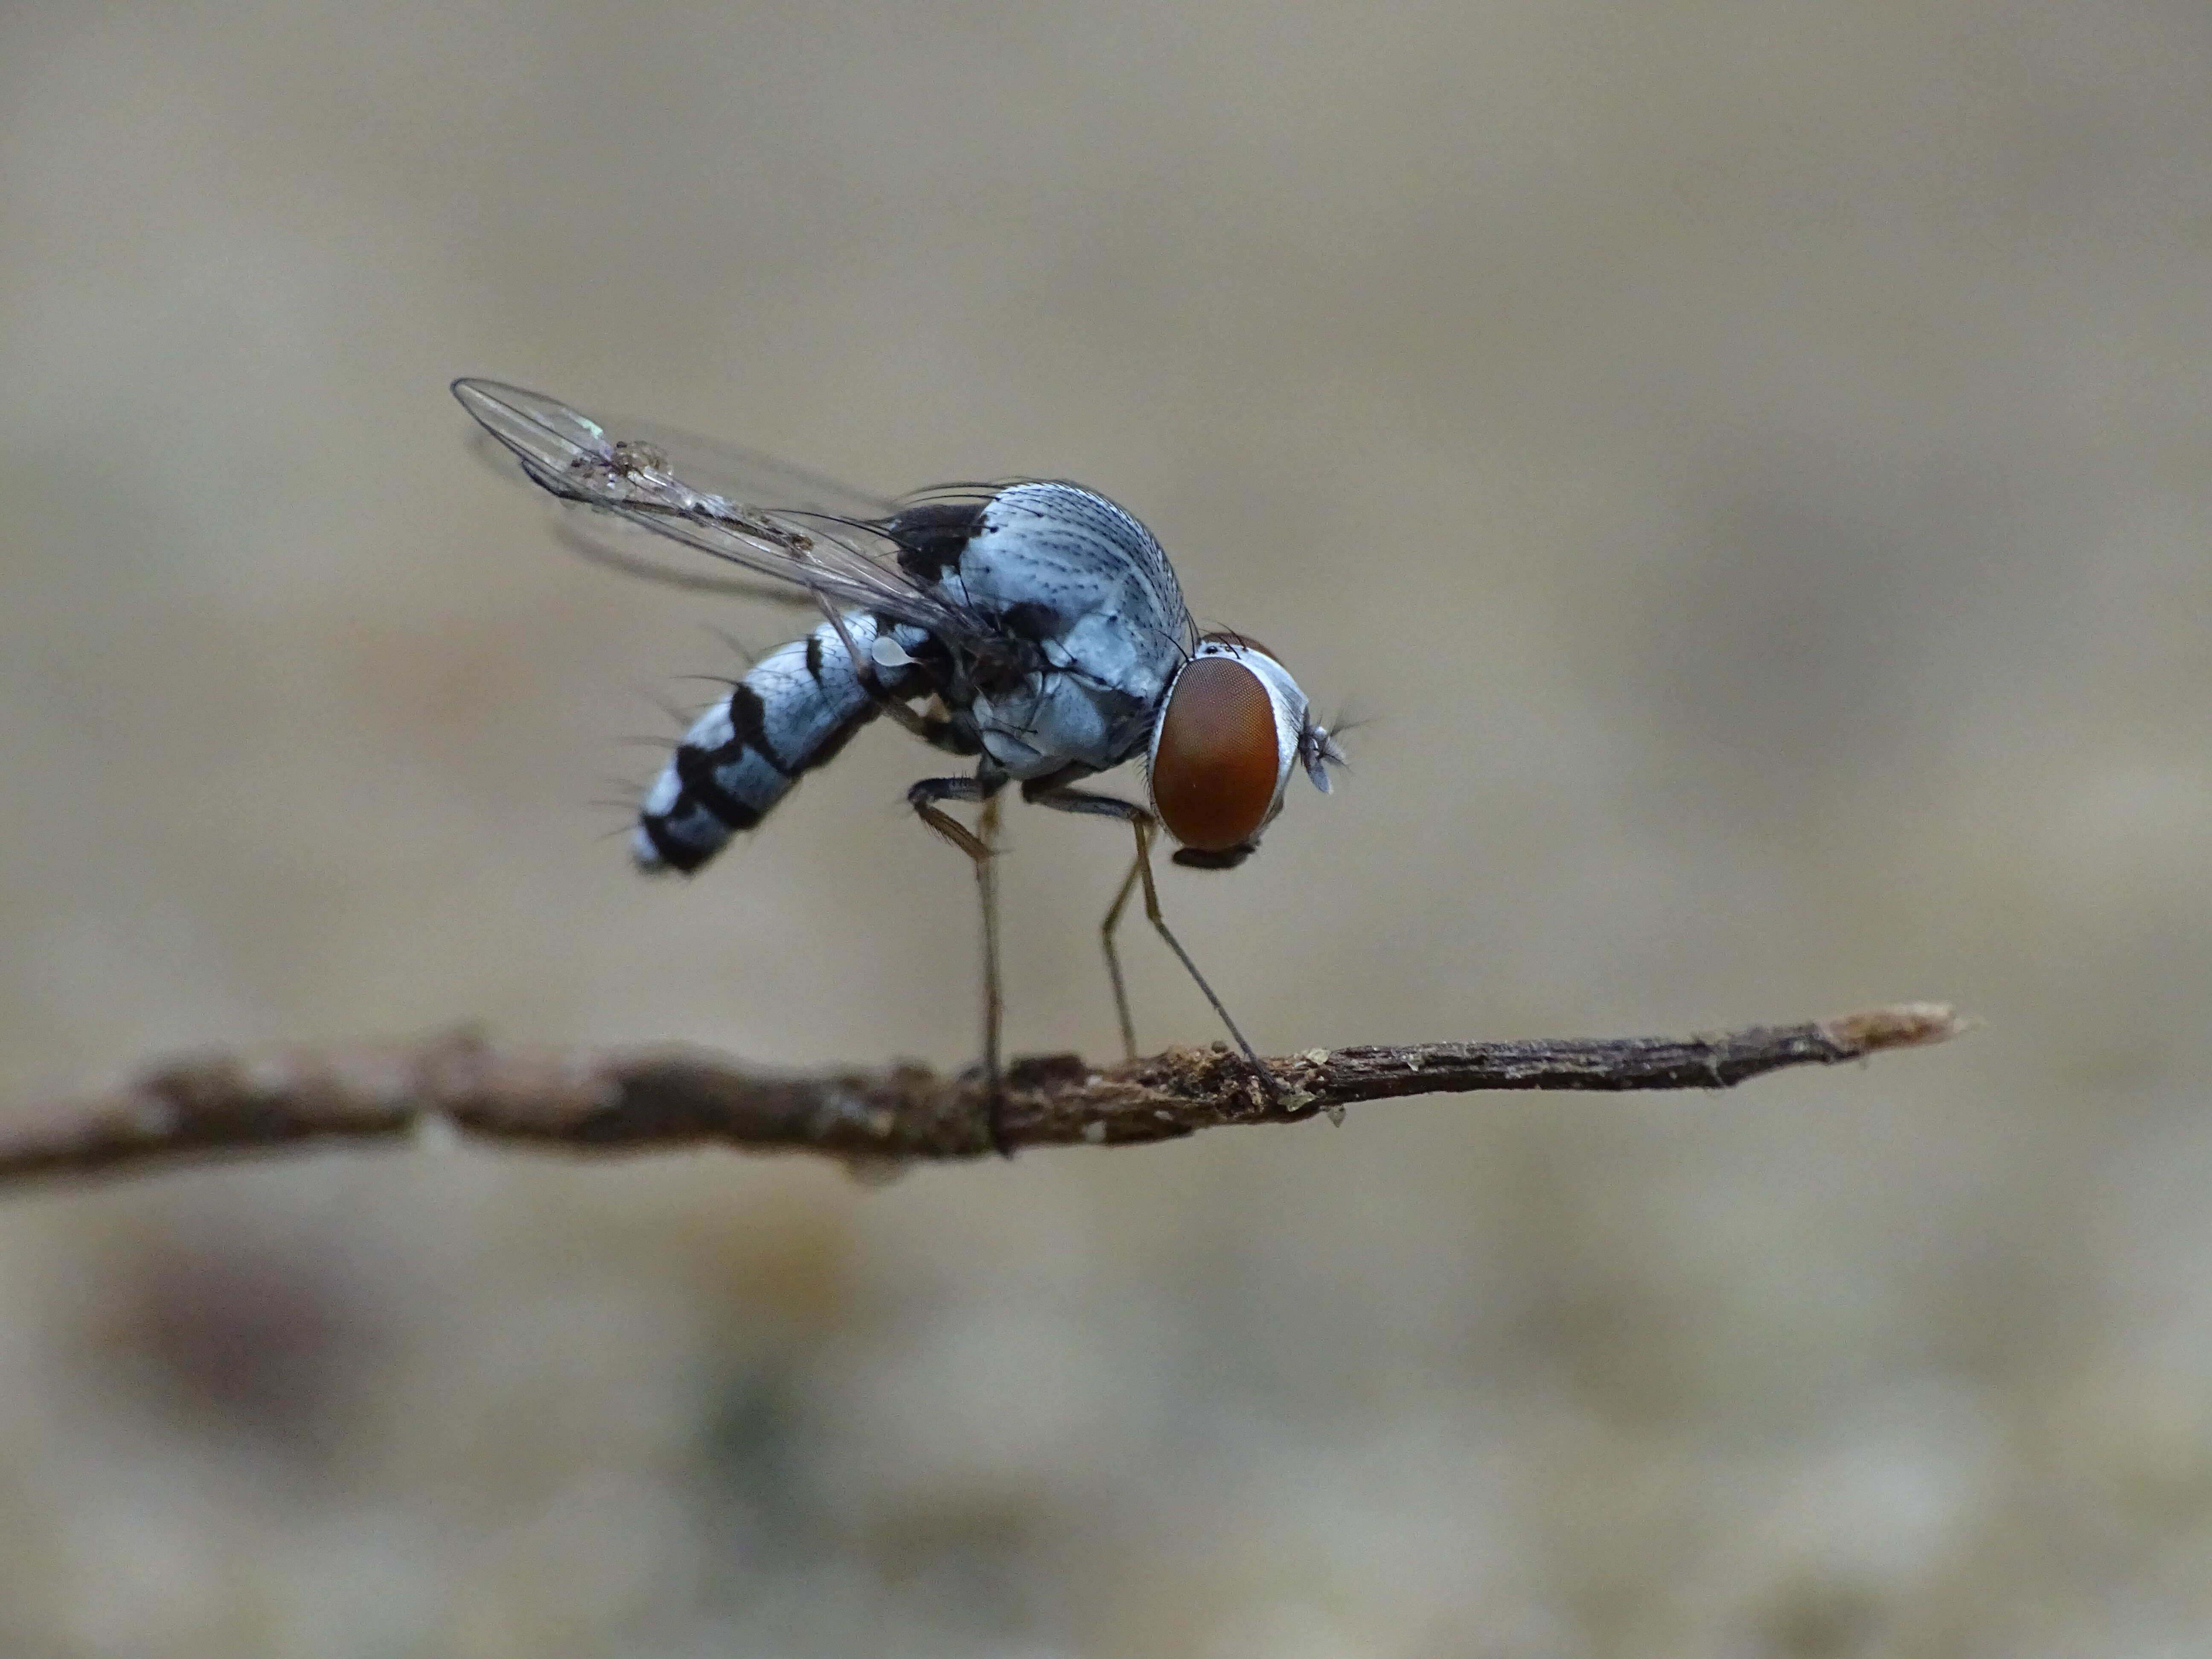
(618,1100)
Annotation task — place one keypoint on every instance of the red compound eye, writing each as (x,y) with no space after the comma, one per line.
(1215,765)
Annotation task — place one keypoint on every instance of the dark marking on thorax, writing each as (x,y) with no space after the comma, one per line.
(1027,619)
(932,535)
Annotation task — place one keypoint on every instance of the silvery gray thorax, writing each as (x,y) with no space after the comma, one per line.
(1087,583)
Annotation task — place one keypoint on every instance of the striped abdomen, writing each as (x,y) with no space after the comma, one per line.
(794,710)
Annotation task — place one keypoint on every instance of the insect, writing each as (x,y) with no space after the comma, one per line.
(1033,627)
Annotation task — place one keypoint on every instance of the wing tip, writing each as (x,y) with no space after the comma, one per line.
(481,395)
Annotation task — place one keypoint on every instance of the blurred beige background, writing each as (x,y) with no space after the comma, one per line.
(1755,462)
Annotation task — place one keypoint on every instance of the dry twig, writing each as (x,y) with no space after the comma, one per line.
(646,1100)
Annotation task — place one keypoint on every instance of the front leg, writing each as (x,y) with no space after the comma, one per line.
(1045,793)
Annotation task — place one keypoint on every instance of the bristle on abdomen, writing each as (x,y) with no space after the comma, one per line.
(794,710)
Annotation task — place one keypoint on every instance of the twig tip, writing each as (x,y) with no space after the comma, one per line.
(1900,1025)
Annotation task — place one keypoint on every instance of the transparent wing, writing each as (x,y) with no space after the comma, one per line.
(634,551)
(817,535)
(745,475)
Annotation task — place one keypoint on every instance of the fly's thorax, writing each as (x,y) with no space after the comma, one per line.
(1069,547)
(1086,627)
(1232,726)
(1056,717)
(1050,558)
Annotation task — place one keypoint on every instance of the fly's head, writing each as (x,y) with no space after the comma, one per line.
(1233,727)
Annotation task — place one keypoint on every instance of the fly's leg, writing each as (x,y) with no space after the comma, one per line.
(938,731)
(1142,870)
(1064,799)
(986,893)
(1140,874)
(981,844)
(1107,929)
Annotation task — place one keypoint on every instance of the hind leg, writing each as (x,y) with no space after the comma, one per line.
(981,845)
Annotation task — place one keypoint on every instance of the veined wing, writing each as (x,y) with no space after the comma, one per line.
(810,533)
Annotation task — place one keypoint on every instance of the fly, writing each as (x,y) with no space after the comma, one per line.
(1034,628)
